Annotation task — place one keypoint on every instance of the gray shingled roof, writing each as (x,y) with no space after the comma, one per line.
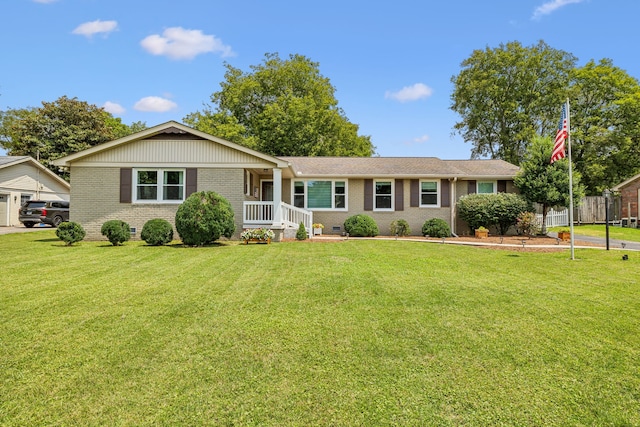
(11,159)
(398,167)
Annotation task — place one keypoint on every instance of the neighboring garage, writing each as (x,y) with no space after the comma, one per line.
(22,178)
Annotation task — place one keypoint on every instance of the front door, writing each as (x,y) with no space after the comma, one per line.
(266,191)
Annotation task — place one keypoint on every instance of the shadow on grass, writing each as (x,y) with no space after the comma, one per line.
(48,240)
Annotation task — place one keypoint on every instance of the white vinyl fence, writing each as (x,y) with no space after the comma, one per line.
(555,218)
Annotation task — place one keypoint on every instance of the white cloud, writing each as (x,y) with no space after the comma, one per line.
(155,104)
(551,6)
(88,29)
(179,43)
(420,140)
(113,108)
(410,93)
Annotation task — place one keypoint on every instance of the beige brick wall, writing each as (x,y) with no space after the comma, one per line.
(414,216)
(95,199)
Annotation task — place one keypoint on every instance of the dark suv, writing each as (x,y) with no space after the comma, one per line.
(51,212)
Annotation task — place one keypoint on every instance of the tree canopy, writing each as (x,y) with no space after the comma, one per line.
(282,108)
(544,183)
(59,128)
(508,95)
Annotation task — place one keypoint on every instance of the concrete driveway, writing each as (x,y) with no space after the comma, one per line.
(22,229)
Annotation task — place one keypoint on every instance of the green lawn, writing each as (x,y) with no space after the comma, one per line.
(311,334)
(615,232)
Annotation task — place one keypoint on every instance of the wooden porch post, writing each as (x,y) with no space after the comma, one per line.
(277,197)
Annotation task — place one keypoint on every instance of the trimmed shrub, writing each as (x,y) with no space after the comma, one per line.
(301,234)
(436,227)
(484,210)
(400,227)
(203,218)
(157,232)
(116,231)
(70,232)
(361,226)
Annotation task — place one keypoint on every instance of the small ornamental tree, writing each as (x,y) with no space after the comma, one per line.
(527,224)
(70,232)
(544,183)
(203,218)
(400,227)
(436,227)
(157,232)
(116,231)
(301,234)
(361,226)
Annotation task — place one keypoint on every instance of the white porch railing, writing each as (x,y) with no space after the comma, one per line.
(293,216)
(555,218)
(261,214)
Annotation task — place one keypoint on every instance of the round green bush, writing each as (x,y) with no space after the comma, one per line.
(301,234)
(400,227)
(157,232)
(361,226)
(203,218)
(436,227)
(70,232)
(116,231)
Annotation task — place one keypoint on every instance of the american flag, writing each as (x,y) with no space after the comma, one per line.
(561,136)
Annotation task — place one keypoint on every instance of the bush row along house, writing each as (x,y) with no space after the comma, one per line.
(148,174)
(22,178)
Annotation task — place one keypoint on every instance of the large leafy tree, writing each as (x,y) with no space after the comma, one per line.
(59,128)
(282,108)
(605,133)
(545,183)
(507,95)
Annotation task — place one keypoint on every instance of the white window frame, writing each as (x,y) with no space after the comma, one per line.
(392,195)
(493,183)
(159,186)
(333,194)
(438,193)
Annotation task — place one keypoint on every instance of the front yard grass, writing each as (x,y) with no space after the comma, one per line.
(328,333)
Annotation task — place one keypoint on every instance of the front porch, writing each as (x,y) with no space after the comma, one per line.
(276,216)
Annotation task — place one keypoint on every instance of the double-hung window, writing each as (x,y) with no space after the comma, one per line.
(486,187)
(383,195)
(159,185)
(429,194)
(320,194)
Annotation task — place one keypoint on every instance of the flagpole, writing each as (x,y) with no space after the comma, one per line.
(570,181)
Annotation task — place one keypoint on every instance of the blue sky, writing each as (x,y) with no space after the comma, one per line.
(390,62)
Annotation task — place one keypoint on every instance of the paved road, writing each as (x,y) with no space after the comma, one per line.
(613,243)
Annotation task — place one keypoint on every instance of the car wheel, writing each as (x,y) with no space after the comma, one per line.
(29,224)
(57,220)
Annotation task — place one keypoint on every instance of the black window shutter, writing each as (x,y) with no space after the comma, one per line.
(414,201)
(125,184)
(445,199)
(399,195)
(191,181)
(502,186)
(471,189)
(368,194)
